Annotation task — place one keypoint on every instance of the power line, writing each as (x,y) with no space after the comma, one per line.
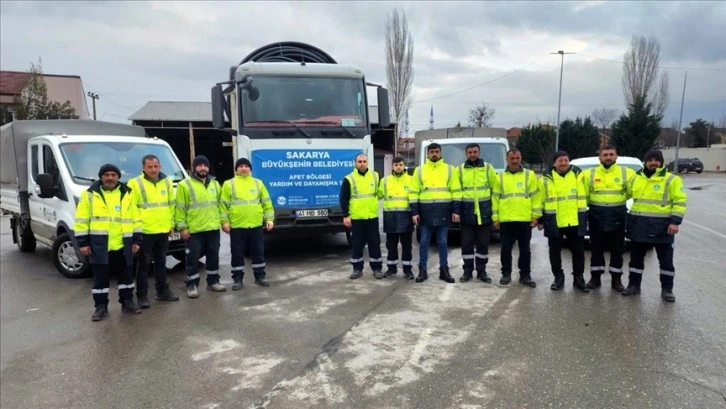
(660,66)
(479,85)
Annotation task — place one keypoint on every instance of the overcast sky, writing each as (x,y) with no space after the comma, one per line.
(494,52)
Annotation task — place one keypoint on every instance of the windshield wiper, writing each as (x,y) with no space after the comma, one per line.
(284,122)
(85,178)
(332,123)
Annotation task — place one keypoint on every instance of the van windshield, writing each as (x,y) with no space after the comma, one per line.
(85,159)
(493,153)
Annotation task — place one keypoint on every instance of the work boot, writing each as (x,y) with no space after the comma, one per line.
(356,274)
(390,272)
(192,291)
(578,282)
(217,288)
(594,282)
(422,275)
(408,273)
(506,279)
(617,284)
(527,280)
(559,282)
(164,295)
(466,276)
(445,276)
(482,276)
(667,295)
(631,290)
(378,274)
(128,306)
(143,300)
(262,282)
(237,284)
(100,313)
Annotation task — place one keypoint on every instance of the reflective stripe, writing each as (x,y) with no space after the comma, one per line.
(212,273)
(550,211)
(101,232)
(374,260)
(667,273)
(650,201)
(406,263)
(650,214)
(482,256)
(508,195)
(194,277)
(396,209)
(467,256)
(616,270)
(100,290)
(391,262)
(397,197)
(354,188)
(607,204)
(436,189)
(356,260)
(597,268)
(238,268)
(258,265)
(636,270)
(126,286)
(245,202)
(435,201)
(471,199)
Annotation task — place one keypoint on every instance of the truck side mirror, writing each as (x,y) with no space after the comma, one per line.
(47,187)
(384,112)
(218,105)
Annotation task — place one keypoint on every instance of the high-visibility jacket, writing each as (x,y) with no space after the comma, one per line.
(394,189)
(516,197)
(155,201)
(245,203)
(363,197)
(564,203)
(435,193)
(606,194)
(658,201)
(197,204)
(476,187)
(106,221)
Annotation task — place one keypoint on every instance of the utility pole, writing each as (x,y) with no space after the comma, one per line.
(559,102)
(680,122)
(708,134)
(94,97)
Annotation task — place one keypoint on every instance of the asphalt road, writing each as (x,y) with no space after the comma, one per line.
(316,339)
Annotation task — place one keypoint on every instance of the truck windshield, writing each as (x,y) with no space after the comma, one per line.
(492,153)
(85,159)
(306,101)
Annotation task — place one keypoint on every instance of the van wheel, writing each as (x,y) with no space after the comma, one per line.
(23,237)
(67,260)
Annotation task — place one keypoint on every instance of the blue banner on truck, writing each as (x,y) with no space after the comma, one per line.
(303,178)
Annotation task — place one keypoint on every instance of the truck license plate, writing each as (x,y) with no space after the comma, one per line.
(175,236)
(312,213)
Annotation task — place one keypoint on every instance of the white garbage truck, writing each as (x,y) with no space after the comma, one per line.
(47,164)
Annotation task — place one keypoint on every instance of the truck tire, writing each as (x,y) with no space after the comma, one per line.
(23,237)
(67,260)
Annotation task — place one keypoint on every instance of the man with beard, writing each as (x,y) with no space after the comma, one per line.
(435,200)
(659,204)
(605,192)
(198,221)
(108,230)
(397,224)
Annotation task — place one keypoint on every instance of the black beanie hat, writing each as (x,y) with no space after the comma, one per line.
(200,159)
(654,154)
(109,168)
(558,154)
(242,161)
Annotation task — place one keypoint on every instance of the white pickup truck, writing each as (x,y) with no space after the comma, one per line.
(47,164)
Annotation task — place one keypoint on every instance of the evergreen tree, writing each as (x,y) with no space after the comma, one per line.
(635,134)
(537,143)
(579,138)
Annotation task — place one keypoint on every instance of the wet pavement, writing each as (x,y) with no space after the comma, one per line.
(317,339)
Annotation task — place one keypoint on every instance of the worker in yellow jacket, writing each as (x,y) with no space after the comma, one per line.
(244,208)
(516,206)
(108,231)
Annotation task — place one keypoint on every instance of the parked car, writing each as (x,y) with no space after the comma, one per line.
(686,165)
(585,164)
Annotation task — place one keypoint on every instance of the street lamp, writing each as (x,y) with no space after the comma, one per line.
(559,102)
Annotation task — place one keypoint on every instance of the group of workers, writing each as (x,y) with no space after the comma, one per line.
(122,228)
(566,202)
(118,224)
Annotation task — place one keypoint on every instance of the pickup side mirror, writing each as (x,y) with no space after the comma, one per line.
(218,105)
(47,187)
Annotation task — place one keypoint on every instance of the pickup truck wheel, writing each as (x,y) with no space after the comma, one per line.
(24,238)
(67,260)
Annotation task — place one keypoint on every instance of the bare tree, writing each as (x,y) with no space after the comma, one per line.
(481,116)
(399,64)
(604,117)
(640,74)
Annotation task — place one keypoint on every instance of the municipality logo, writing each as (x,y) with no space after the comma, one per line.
(281,200)
(656,187)
(617,180)
(520,184)
(117,208)
(163,192)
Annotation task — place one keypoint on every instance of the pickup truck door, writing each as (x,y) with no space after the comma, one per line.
(45,212)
